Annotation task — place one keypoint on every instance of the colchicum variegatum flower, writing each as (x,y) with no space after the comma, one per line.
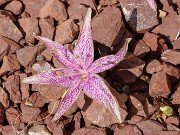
(80,72)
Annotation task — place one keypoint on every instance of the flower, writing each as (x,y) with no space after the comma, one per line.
(80,72)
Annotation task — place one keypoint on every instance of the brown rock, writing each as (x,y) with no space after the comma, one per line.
(30,27)
(12,86)
(29,114)
(39,129)
(127,130)
(54,9)
(47,54)
(24,88)
(108,27)
(150,127)
(141,49)
(107,2)
(33,7)
(171,56)
(50,125)
(47,27)
(2,114)
(176,44)
(7,130)
(139,86)
(37,99)
(129,69)
(135,119)
(176,96)
(71,110)
(15,7)
(53,106)
(7,14)
(8,29)
(172,123)
(10,64)
(3,1)
(12,116)
(159,85)
(89,131)
(4,99)
(66,32)
(77,9)
(154,66)
(49,91)
(3,48)
(168,133)
(139,105)
(139,15)
(77,120)
(27,55)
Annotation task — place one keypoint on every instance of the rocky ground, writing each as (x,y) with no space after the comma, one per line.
(146,83)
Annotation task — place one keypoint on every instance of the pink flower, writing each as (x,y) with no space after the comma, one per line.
(80,72)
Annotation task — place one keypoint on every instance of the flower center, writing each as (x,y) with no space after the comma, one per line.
(84,74)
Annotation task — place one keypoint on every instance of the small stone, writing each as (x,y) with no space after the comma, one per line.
(54,9)
(168,133)
(139,86)
(38,130)
(30,27)
(107,26)
(141,49)
(29,114)
(139,15)
(24,88)
(40,58)
(89,131)
(8,29)
(7,130)
(27,55)
(12,86)
(135,119)
(66,32)
(171,56)
(154,66)
(37,99)
(3,49)
(51,125)
(159,85)
(107,2)
(149,127)
(12,116)
(172,123)
(139,105)
(129,69)
(176,96)
(47,55)
(3,2)
(77,120)
(10,64)
(2,114)
(15,7)
(53,106)
(8,15)
(127,130)
(176,44)
(4,99)
(47,27)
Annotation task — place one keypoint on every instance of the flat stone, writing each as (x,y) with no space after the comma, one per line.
(66,32)
(139,15)
(3,49)
(159,85)
(176,96)
(108,27)
(38,130)
(154,66)
(4,99)
(37,100)
(89,131)
(2,114)
(15,7)
(3,1)
(176,44)
(171,56)
(24,88)
(8,15)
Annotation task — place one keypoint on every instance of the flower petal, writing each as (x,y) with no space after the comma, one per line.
(53,77)
(64,56)
(69,99)
(107,62)
(84,49)
(97,90)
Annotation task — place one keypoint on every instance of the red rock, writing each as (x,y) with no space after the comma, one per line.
(10,64)
(176,96)
(171,56)
(29,114)
(168,133)
(30,27)
(2,114)
(12,86)
(50,125)
(71,110)
(8,29)
(7,14)
(15,7)
(159,85)
(149,127)
(3,1)
(129,69)
(139,15)
(66,32)
(141,49)
(49,91)
(47,54)
(107,26)
(107,2)
(176,44)
(138,86)
(39,129)
(154,66)
(77,9)
(139,105)
(127,130)
(172,123)
(54,9)
(4,48)
(77,120)
(27,55)
(7,130)
(4,99)
(33,7)
(47,27)
(135,119)
(12,116)
(37,99)
(53,106)
(89,131)
(24,88)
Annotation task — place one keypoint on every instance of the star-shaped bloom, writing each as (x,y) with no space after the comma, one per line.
(79,72)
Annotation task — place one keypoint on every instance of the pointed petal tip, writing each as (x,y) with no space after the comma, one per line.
(87,18)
